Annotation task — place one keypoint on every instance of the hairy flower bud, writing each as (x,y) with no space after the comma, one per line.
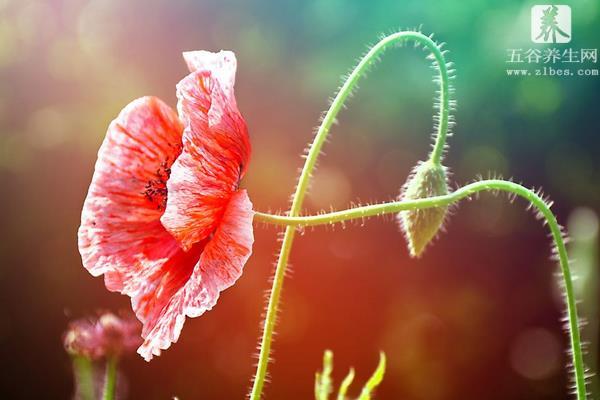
(421,226)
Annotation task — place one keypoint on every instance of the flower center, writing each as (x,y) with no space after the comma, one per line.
(155,190)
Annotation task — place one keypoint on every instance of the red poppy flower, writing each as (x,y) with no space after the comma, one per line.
(164,219)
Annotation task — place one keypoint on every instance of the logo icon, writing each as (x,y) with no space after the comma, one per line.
(551,23)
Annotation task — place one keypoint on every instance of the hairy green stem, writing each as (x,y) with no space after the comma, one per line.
(311,159)
(110,378)
(445,200)
(444,107)
(84,377)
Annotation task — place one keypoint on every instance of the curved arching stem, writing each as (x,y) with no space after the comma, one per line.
(311,159)
(451,198)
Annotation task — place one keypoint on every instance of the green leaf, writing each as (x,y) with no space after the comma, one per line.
(323,384)
(345,385)
(374,380)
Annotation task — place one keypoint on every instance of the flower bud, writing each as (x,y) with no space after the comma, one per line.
(104,336)
(421,226)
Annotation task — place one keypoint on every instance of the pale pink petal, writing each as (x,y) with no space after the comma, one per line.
(222,66)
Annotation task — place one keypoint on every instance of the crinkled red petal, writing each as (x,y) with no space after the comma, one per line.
(216,149)
(177,293)
(120,233)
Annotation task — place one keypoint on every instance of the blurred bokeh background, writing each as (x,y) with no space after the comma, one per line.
(478,317)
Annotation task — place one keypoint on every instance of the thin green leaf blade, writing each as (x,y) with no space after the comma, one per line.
(375,379)
(345,385)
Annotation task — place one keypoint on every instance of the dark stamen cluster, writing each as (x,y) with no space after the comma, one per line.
(155,190)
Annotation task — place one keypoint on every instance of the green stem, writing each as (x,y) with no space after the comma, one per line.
(110,378)
(444,107)
(311,159)
(445,200)
(84,377)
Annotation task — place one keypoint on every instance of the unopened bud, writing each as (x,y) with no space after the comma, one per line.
(106,335)
(422,225)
